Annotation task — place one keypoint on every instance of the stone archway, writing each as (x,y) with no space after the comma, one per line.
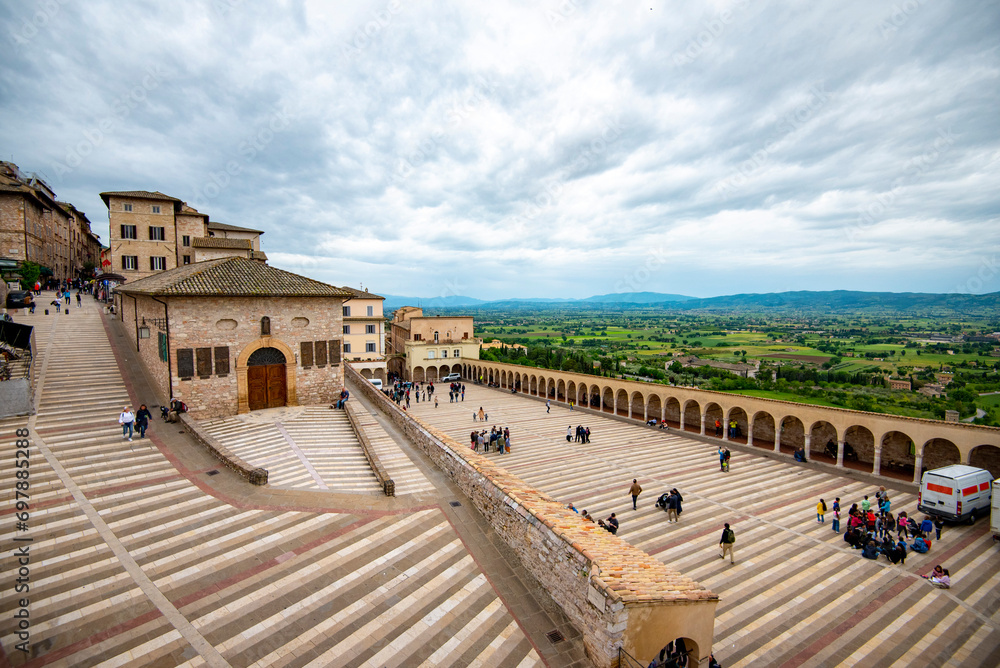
(380,374)
(762,431)
(637,406)
(713,414)
(692,416)
(561,391)
(672,412)
(608,399)
(738,415)
(621,403)
(791,434)
(594,397)
(821,434)
(242,366)
(940,452)
(986,457)
(897,456)
(654,409)
(367,374)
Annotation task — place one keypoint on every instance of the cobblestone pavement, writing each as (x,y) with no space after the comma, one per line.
(797,595)
(148,553)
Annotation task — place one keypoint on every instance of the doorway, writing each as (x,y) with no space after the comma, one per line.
(266,379)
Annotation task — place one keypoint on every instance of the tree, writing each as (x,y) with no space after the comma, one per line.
(30,272)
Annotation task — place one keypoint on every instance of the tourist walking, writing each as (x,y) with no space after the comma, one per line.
(79,301)
(634,490)
(126,420)
(142,417)
(726,542)
(722,458)
(836,515)
(821,511)
(548,405)
(569,433)
(938,525)
(482,414)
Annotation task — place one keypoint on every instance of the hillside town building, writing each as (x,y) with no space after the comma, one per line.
(232,334)
(36,227)
(429,347)
(153,232)
(744,369)
(364,333)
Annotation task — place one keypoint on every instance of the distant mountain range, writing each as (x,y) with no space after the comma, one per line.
(834,301)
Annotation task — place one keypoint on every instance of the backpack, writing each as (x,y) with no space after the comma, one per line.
(730,536)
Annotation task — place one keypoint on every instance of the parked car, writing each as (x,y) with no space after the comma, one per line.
(957,492)
(451,378)
(19,299)
(377,382)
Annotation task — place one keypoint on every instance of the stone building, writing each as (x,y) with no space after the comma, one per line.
(744,369)
(231,335)
(429,347)
(900,384)
(364,333)
(36,227)
(152,232)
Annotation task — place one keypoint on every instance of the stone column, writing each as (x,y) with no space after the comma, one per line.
(645,412)
(702,424)
(918,463)
(806,438)
(877,464)
(725,428)
(680,419)
(749,432)
(777,435)
(841,446)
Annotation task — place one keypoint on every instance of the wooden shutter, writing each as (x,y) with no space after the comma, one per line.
(222,361)
(204,359)
(320,353)
(185,362)
(335,351)
(306,353)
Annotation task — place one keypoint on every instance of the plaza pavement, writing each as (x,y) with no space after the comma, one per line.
(797,595)
(151,553)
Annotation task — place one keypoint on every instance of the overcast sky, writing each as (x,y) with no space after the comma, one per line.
(536,149)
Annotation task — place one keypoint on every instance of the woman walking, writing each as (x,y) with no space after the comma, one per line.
(820,511)
(142,417)
(836,515)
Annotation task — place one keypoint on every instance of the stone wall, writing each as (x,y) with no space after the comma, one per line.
(362,422)
(252,474)
(614,593)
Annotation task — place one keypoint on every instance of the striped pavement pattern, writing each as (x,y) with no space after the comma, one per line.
(257,586)
(798,595)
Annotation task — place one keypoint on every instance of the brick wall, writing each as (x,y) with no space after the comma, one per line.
(615,594)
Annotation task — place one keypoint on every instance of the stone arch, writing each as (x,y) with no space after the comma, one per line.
(533,386)
(380,374)
(654,407)
(571,392)
(713,412)
(672,412)
(561,390)
(742,424)
(431,375)
(986,457)
(691,652)
(692,416)
(418,374)
(821,433)
(762,430)
(861,442)
(897,455)
(637,406)
(594,397)
(242,392)
(940,452)
(621,403)
(550,388)
(608,399)
(791,434)
(367,373)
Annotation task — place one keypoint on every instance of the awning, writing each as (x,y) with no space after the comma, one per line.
(107,276)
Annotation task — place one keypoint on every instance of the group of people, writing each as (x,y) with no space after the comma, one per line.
(872,528)
(724,457)
(494,440)
(134,422)
(455,390)
(671,502)
(580,435)
(611,524)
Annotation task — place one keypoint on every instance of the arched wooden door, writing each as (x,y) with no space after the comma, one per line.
(266,379)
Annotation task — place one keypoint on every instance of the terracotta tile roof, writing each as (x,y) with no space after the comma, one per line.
(143,194)
(221,242)
(624,571)
(231,228)
(230,277)
(362,294)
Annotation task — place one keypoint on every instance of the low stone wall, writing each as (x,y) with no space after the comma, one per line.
(253,475)
(359,423)
(614,593)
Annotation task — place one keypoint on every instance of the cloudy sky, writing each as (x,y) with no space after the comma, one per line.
(536,149)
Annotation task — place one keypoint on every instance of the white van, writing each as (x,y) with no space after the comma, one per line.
(377,382)
(956,493)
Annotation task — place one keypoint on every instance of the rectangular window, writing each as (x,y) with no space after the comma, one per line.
(456,353)
(444,354)
(222,361)
(371,311)
(347,311)
(334,349)
(417,337)
(158,263)
(185,363)
(369,329)
(320,353)
(163,346)
(128,232)
(130,262)
(186,240)
(126,207)
(203,356)
(347,329)
(347,347)
(156,208)
(157,233)
(306,353)
(370,347)
(430,354)
(187,259)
